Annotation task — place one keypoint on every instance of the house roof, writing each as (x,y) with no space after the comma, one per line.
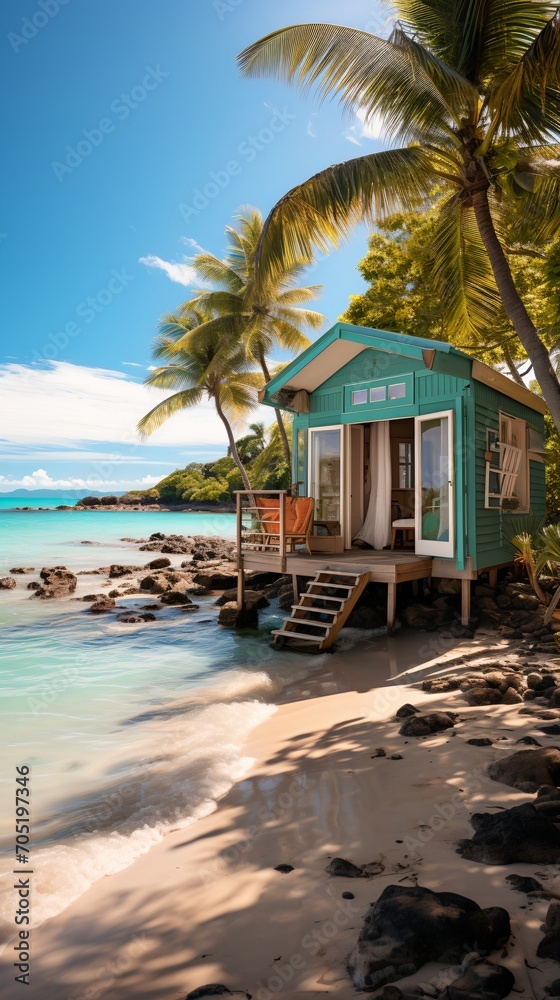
(343,342)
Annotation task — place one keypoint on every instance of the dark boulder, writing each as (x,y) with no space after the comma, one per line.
(405,711)
(482,979)
(211,990)
(549,946)
(520,834)
(527,770)
(412,926)
(253,598)
(102,607)
(423,725)
(136,618)
(284,869)
(161,563)
(176,595)
(523,883)
(7,583)
(22,569)
(117,570)
(480,741)
(440,685)
(342,868)
(233,617)
(57,582)
(483,695)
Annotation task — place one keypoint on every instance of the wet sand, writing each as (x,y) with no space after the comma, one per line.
(206,905)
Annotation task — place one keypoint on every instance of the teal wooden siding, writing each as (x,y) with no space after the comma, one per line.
(491,528)
(481,535)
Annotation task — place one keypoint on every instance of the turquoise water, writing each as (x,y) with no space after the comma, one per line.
(9,503)
(130,730)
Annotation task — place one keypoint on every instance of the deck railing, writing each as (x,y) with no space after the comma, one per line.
(256,535)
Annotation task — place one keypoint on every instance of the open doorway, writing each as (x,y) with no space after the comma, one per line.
(381,459)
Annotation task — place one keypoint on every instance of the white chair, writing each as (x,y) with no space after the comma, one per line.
(403,524)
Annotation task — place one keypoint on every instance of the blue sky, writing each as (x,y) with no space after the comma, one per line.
(121,117)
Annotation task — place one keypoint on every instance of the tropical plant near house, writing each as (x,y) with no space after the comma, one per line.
(265,313)
(199,370)
(471,89)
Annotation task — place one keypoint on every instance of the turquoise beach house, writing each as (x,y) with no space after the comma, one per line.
(417,457)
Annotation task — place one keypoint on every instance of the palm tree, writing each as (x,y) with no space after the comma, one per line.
(191,370)
(470,88)
(264,313)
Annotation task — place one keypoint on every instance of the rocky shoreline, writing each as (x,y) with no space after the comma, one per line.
(116,504)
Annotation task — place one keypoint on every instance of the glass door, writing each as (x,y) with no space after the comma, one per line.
(435,513)
(325,477)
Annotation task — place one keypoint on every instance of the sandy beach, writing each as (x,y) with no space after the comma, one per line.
(206,905)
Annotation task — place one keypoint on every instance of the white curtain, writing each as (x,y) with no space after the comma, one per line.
(376,529)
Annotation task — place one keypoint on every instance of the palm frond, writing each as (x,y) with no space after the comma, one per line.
(367,74)
(462,270)
(212,270)
(319,212)
(167,408)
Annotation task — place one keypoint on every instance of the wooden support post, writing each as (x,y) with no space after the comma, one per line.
(493,578)
(391,606)
(465,601)
(240,584)
(295,588)
(282,530)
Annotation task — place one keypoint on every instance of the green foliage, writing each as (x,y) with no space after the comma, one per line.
(217,481)
(403,295)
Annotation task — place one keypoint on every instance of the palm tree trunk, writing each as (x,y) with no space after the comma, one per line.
(279,418)
(232,445)
(515,310)
(512,368)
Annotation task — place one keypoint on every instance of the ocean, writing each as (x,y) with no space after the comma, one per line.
(130,731)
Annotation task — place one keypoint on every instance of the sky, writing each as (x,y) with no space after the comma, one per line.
(122,119)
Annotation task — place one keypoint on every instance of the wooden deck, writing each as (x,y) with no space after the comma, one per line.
(387,567)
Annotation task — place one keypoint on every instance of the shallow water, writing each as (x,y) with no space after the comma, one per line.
(129,730)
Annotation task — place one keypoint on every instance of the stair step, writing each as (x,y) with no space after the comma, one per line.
(297,635)
(318,611)
(331,586)
(307,622)
(324,597)
(336,572)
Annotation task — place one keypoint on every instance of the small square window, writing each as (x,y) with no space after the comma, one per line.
(378,395)
(397,391)
(359,396)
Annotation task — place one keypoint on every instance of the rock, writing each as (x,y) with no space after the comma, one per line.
(342,868)
(549,947)
(534,681)
(553,988)
(117,570)
(7,583)
(480,741)
(217,579)
(33,585)
(396,756)
(422,725)
(553,730)
(57,582)
(149,607)
(413,925)
(103,606)
(253,598)
(388,992)
(525,602)
(520,834)
(529,695)
(155,583)
(405,711)
(419,615)
(212,990)
(176,595)
(366,618)
(284,869)
(379,752)
(444,586)
(483,696)
(232,617)
(22,569)
(93,597)
(161,563)
(511,697)
(523,883)
(439,685)
(483,979)
(134,618)
(527,770)
(347,895)
(529,741)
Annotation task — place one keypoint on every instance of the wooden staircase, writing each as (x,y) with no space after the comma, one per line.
(322,610)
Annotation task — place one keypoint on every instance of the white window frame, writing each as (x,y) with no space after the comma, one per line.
(310,480)
(425,546)
(514,464)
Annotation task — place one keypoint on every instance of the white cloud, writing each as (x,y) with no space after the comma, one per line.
(40,480)
(372,128)
(66,405)
(179,271)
